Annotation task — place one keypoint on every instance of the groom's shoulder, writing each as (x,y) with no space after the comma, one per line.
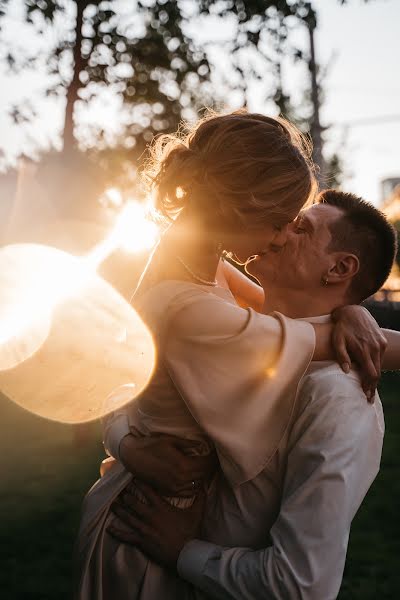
(333,423)
(332,405)
(327,375)
(325,384)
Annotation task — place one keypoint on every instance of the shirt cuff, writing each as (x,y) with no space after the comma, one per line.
(193,559)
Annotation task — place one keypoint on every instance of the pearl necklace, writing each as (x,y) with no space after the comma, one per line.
(196,277)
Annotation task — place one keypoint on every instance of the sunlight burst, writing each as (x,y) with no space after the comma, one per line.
(134,231)
(60,319)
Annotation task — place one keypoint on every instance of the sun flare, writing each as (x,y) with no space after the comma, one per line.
(67,338)
(134,231)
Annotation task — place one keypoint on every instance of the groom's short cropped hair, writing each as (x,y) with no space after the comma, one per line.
(364,231)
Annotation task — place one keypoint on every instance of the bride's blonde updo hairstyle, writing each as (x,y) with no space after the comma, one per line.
(239,169)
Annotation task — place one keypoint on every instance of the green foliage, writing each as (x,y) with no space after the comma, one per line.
(335,167)
(371,570)
(142,54)
(263,28)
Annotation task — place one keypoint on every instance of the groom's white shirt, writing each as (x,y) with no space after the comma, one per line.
(308,496)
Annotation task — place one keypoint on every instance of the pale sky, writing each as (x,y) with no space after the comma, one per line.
(363,82)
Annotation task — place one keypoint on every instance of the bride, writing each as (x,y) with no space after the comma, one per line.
(226,377)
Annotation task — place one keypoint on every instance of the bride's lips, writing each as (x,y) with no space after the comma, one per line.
(257,256)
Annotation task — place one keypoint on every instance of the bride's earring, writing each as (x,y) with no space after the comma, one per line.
(324,281)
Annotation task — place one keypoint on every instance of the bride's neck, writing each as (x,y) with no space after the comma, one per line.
(185,240)
(194,243)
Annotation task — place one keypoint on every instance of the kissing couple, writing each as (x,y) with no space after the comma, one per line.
(237,472)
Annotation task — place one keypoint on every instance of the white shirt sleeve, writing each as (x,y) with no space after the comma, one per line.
(116,424)
(334,455)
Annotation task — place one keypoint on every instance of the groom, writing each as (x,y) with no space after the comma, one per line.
(339,251)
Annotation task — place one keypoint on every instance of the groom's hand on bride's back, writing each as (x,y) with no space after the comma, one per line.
(167,463)
(152,524)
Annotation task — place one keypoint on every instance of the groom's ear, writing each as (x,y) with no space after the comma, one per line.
(344,267)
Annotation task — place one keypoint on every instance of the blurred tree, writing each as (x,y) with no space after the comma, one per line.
(140,51)
(397,226)
(391,207)
(262,45)
(263,29)
(261,40)
(137,49)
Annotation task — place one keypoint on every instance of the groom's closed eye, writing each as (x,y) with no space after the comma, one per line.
(304,225)
(299,227)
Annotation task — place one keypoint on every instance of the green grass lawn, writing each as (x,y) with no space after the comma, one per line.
(372,568)
(45,471)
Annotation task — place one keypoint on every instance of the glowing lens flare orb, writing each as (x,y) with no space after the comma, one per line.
(67,338)
(134,231)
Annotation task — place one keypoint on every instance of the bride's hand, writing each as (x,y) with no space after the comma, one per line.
(167,463)
(358,338)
